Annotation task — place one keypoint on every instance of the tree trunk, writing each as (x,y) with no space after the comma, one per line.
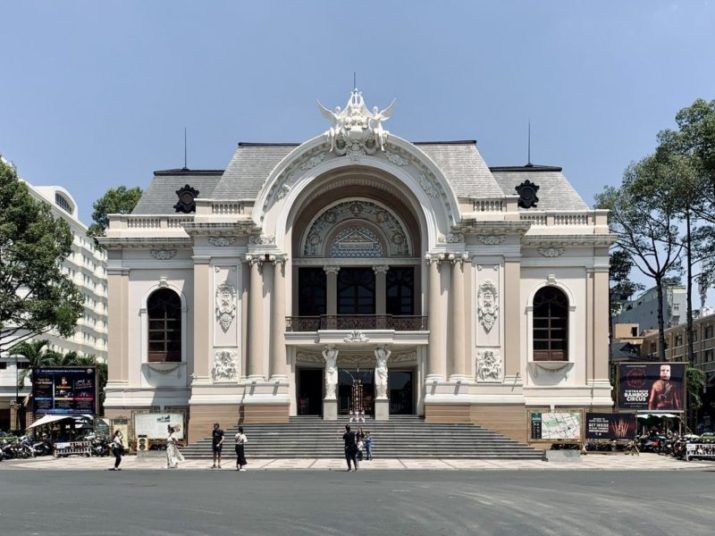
(661,320)
(689,291)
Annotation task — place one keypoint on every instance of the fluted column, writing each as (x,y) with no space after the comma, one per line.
(380,289)
(331,294)
(278,363)
(436,366)
(256,368)
(456,365)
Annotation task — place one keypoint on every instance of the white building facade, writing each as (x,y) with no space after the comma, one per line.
(358,272)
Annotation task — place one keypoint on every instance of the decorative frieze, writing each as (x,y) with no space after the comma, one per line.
(225,366)
(492,240)
(550,252)
(222,241)
(163,254)
(225,305)
(487,304)
(489,366)
(356,336)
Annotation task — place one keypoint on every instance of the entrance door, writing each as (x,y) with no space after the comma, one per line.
(310,391)
(401,392)
(350,381)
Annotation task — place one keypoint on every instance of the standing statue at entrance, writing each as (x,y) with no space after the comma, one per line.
(382,354)
(330,354)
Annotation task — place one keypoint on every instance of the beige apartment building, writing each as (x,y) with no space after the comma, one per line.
(358,272)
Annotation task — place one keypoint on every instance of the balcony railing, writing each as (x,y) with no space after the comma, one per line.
(351,322)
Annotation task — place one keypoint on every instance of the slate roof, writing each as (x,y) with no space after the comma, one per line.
(460,162)
(249,168)
(464,168)
(555,191)
(160,197)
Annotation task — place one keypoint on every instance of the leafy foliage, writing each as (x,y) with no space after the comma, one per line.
(120,200)
(695,379)
(35,296)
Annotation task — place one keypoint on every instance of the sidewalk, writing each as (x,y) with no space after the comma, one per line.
(590,462)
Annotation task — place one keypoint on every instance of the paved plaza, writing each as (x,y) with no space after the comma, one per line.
(371,502)
(589,462)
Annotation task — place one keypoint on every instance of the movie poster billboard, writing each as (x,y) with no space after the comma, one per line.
(651,386)
(610,425)
(64,390)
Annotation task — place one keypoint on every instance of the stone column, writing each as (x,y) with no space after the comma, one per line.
(600,323)
(456,361)
(512,317)
(330,402)
(256,368)
(117,326)
(202,312)
(331,294)
(278,363)
(436,366)
(382,402)
(380,289)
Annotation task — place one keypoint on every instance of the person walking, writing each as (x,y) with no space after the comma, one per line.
(217,444)
(173,454)
(241,440)
(350,447)
(117,449)
(368,446)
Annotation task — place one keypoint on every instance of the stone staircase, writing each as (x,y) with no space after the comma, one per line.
(400,437)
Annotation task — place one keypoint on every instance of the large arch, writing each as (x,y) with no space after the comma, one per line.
(409,169)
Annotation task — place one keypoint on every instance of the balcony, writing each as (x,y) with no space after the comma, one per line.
(356,322)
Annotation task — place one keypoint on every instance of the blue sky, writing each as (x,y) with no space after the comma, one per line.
(97,94)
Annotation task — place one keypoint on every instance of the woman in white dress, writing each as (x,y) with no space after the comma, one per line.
(173,454)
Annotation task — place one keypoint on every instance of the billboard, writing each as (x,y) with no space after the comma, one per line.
(651,386)
(64,390)
(610,425)
(154,425)
(555,426)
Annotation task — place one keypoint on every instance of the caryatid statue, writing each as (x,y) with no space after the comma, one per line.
(382,354)
(330,354)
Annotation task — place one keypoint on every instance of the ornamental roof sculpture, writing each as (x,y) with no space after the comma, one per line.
(356,130)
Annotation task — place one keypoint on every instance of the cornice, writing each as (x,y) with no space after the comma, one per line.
(561,240)
(472,226)
(242,228)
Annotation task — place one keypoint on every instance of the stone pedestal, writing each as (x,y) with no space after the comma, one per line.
(382,410)
(330,410)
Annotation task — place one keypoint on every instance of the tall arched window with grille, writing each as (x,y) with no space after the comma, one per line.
(551,325)
(164,315)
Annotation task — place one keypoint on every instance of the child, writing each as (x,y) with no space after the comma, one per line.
(368,446)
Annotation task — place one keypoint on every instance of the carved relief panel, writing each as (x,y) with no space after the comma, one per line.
(226,306)
(488,305)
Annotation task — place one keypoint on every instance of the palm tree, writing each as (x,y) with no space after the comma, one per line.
(35,353)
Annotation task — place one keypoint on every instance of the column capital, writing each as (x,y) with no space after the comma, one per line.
(255,259)
(380,269)
(434,258)
(331,269)
(458,258)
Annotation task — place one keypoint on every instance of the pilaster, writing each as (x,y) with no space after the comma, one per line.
(202,312)
(380,289)
(256,369)
(278,363)
(331,306)
(512,316)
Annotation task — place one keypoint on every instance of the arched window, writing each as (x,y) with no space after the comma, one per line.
(164,313)
(551,323)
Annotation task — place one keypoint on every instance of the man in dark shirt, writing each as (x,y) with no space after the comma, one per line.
(217,444)
(350,447)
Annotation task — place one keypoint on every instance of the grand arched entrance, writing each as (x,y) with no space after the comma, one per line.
(357,277)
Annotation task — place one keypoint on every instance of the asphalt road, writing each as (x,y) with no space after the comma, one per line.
(372,503)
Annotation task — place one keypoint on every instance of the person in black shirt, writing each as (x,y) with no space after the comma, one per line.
(350,447)
(217,444)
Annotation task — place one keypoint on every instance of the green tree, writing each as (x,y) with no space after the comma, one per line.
(35,295)
(644,217)
(120,200)
(36,354)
